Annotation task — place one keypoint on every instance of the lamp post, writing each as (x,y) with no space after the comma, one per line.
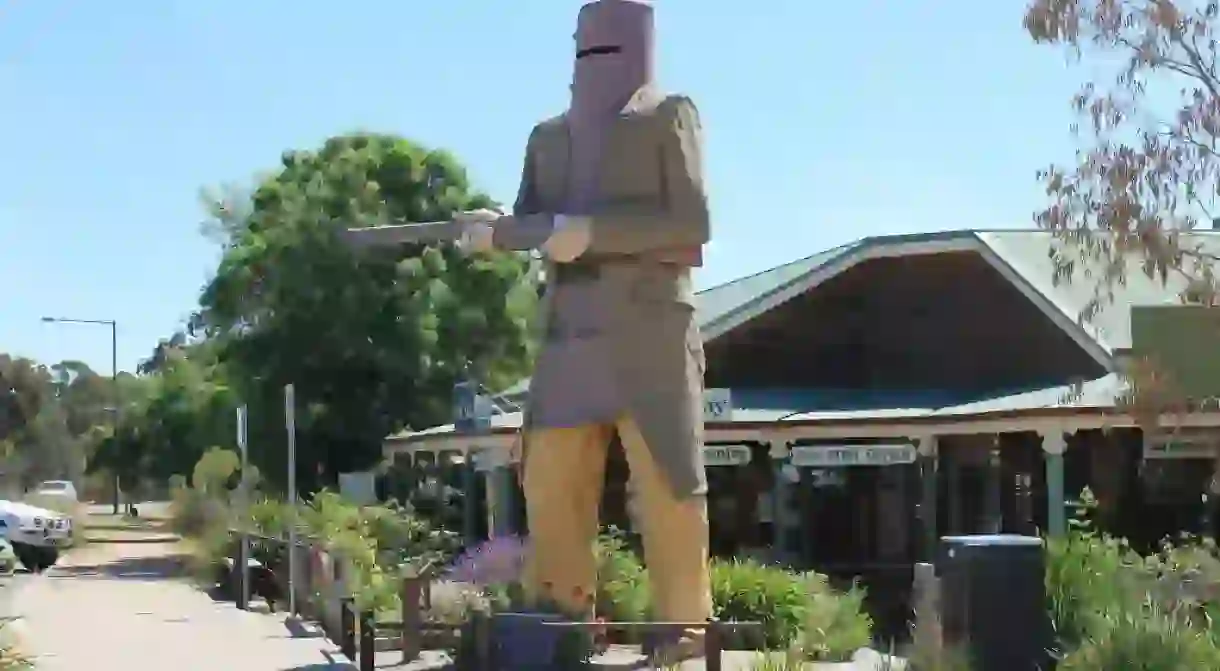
(114,372)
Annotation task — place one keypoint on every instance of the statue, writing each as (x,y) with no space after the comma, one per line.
(612,193)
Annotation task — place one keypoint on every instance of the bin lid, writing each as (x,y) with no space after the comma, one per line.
(1008,540)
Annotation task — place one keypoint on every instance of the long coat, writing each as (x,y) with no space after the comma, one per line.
(650,207)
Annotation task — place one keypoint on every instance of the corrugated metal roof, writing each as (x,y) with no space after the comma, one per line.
(718,302)
(1099,393)
(1027,253)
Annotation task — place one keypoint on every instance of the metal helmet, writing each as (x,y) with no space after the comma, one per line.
(614,56)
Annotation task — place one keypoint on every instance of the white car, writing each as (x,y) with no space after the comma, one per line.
(36,534)
(60,489)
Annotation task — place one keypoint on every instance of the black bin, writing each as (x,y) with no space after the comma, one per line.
(993,601)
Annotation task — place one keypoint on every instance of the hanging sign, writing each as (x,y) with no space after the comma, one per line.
(726,455)
(833,456)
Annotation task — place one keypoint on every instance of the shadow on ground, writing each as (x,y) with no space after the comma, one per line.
(165,567)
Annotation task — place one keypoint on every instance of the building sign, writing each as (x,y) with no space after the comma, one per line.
(1175,449)
(717,405)
(834,456)
(726,455)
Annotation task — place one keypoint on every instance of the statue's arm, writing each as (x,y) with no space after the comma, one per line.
(679,217)
(528,226)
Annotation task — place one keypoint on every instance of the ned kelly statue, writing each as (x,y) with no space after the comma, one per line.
(612,194)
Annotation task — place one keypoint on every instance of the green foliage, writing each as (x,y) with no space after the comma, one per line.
(1114,609)
(836,624)
(622,581)
(52,418)
(373,343)
(214,471)
(744,590)
(1084,570)
(1145,640)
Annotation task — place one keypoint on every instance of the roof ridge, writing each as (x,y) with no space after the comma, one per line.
(786,264)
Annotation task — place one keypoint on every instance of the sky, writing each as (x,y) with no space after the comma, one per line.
(824,122)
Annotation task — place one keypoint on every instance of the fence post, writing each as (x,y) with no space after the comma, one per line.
(347,627)
(239,571)
(412,618)
(368,640)
(712,645)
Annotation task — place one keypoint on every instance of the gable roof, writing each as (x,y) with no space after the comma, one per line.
(1026,252)
(1021,256)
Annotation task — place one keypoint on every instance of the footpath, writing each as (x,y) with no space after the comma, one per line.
(124,606)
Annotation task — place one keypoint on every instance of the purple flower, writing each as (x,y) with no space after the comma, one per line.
(499,561)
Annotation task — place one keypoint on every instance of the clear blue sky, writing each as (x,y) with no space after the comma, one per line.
(825,122)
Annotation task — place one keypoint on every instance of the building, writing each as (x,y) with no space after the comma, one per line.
(897,389)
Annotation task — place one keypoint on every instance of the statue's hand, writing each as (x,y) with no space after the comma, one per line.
(569,238)
(478,233)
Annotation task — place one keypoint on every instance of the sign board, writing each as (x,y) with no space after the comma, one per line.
(471,410)
(834,456)
(717,405)
(726,455)
(1172,449)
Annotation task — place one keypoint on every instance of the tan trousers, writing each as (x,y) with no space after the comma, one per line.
(564,470)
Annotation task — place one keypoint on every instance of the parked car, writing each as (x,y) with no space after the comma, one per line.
(36,534)
(57,489)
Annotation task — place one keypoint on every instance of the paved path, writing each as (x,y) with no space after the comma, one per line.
(119,607)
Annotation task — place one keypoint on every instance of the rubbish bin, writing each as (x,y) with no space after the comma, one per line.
(993,601)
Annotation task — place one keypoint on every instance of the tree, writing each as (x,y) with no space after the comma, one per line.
(373,344)
(1151,168)
(23,386)
(169,417)
(1149,171)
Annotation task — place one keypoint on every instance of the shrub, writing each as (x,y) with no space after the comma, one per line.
(836,624)
(744,590)
(1090,576)
(622,582)
(196,512)
(1146,639)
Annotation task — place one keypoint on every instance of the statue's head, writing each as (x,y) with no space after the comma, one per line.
(614,54)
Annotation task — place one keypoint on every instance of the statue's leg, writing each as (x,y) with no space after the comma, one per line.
(675,532)
(564,470)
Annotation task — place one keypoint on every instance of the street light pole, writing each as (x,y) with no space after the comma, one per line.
(114,374)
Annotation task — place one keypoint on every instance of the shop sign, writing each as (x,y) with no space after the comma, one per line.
(726,455)
(834,456)
(717,405)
